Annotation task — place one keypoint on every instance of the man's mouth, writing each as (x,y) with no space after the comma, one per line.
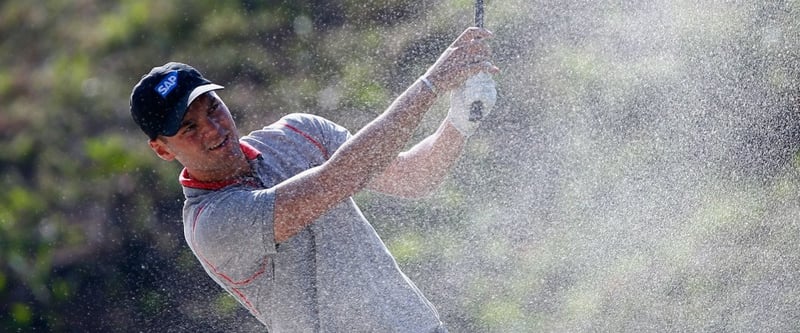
(221,144)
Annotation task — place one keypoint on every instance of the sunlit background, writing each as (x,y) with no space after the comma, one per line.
(640,171)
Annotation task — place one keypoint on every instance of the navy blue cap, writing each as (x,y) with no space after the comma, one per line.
(160,99)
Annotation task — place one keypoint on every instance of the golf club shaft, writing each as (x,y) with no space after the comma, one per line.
(476,109)
(479,13)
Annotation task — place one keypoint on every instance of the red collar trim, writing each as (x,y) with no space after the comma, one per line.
(250,153)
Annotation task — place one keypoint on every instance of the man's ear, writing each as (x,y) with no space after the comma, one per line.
(160,148)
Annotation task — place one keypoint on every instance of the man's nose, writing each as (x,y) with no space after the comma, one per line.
(210,127)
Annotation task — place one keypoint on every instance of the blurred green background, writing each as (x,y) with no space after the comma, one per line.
(639,173)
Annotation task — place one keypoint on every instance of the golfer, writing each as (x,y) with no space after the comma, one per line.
(270,216)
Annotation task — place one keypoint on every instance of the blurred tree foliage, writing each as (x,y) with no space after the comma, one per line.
(640,171)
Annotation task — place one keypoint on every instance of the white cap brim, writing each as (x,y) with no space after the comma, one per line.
(202,90)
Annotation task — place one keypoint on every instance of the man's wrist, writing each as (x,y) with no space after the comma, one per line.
(466,130)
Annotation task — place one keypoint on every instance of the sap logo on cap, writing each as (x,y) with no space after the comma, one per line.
(167,84)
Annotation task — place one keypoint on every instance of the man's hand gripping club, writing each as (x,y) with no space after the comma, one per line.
(479,87)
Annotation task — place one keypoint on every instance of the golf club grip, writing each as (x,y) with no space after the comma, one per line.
(476,109)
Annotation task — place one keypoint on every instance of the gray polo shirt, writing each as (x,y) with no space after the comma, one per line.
(334,276)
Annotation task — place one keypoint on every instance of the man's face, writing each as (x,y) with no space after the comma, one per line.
(207,142)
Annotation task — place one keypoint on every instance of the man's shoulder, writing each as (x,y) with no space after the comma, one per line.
(299,116)
(301,126)
(306,120)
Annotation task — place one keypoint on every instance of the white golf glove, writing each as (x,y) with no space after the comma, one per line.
(471,102)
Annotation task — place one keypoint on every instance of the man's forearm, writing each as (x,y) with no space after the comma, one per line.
(420,170)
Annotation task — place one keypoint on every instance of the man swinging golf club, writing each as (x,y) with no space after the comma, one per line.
(270,216)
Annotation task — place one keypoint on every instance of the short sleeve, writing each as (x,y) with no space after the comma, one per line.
(328,134)
(232,233)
